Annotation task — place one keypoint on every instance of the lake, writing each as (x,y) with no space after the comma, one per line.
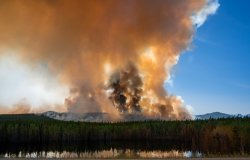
(121,149)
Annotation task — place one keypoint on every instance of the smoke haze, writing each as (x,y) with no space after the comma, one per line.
(113,55)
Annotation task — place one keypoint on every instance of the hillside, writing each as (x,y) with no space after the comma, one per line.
(23,117)
(217,115)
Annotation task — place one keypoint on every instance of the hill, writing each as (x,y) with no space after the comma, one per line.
(218,115)
(23,117)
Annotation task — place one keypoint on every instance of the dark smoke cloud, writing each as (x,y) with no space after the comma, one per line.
(78,38)
(126,89)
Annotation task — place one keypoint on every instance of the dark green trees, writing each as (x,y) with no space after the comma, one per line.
(208,136)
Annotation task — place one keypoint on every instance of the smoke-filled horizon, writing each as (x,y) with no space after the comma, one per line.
(114,56)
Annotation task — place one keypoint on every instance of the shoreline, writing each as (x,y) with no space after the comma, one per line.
(225,158)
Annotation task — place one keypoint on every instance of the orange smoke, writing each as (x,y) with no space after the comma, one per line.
(86,42)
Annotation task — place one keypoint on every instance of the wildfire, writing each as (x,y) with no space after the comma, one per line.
(130,92)
(113,56)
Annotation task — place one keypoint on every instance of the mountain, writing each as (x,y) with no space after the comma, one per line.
(105,117)
(23,117)
(92,116)
(217,115)
(100,116)
(69,116)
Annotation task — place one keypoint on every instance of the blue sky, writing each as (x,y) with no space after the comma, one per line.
(215,74)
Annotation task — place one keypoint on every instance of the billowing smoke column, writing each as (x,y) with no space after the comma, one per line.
(114,55)
(128,95)
(126,89)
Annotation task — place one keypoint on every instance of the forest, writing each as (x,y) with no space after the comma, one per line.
(223,136)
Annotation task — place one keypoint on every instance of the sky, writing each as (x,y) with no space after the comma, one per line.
(211,75)
(214,73)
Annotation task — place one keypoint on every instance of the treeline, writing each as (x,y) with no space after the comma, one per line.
(208,136)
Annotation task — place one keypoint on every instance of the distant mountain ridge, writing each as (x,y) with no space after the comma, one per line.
(69,116)
(24,116)
(217,115)
(92,116)
(105,117)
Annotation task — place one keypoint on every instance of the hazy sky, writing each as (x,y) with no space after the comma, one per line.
(215,74)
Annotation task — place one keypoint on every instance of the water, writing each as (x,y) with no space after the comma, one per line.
(112,153)
(158,149)
(115,149)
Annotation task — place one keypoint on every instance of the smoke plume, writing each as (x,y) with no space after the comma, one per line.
(114,55)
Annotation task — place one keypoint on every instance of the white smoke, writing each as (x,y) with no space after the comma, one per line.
(33,85)
(200,17)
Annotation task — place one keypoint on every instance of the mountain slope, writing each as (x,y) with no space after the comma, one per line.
(217,115)
(99,116)
(23,117)
(69,116)
(105,117)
